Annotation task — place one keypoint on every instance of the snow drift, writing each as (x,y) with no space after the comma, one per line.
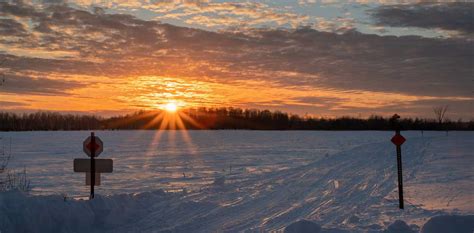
(119,213)
(438,224)
(303,226)
(156,212)
(449,224)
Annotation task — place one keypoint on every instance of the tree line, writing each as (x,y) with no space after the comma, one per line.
(214,119)
(48,121)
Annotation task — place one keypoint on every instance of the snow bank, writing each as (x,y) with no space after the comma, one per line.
(18,213)
(157,211)
(399,227)
(449,224)
(438,224)
(119,213)
(303,226)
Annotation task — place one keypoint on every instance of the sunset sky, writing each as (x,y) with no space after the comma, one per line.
(318,57)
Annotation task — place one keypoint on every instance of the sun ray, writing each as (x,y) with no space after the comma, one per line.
(191,120)
(154,121)
(168,121)
(138,116)
(185,135)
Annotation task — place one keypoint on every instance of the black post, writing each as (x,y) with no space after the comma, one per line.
(400,174)
(92,165)
(396,125)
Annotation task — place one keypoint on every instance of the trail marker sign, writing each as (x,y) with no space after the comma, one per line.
(398,139)
(88,145)
(101,165)
(93,146)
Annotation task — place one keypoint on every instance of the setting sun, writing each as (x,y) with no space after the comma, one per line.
(171,107)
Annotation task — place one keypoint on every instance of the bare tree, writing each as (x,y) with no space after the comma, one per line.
(4,155)
(440,113)
(11,179)
(4,158)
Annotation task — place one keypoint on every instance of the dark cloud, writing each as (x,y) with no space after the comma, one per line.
(53,1)
(18,9)
(450,16)
(456,108)
(324,102)
(10,27)
(413,65)
(8,104)
(68,29)
(21,84)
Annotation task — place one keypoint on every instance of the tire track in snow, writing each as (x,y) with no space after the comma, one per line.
(366,176)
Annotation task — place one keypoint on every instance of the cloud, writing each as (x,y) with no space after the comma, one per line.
(384,2)
(22,84)
(456,16)
(234,14)
(9,105)
(10,27)
(338,25)
(370,71)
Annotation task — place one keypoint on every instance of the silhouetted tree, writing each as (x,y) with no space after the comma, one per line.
(440,113)
(215,118)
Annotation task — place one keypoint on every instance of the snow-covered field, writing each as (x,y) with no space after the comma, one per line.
(231,181)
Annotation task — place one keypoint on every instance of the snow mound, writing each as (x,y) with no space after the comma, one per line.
(303,226)
(399,227)
(20,212)
(449,224)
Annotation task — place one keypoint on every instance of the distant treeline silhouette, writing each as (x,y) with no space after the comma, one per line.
(214,118)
